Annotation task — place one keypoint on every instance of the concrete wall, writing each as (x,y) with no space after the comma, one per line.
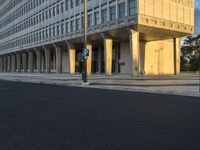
(159,58)
(125,57)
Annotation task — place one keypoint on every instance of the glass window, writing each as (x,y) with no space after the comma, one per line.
(67,27)
(112,13)
(90,20)
(72,25)
(62,28)
(66,5)
(54,11)
(58,30)
(58,9)
(78,24)
(104,15)
(72,3)
(62,7)
(96,18)
(121,10)
(132,7)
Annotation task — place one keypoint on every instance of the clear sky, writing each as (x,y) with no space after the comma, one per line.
(197,16)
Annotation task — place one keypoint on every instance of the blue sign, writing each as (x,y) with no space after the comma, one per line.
(86,53)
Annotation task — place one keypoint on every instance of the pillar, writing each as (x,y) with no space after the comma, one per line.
(108,43)
(4,64)
(30,61)
(13,63)
(18,62)
(48,61)
(24,61)
(117,58)
(72,60)
(134,51)
(99,58)
(177,56)
(1,64)
(89,59)
(58,59)
(38,58)
(8,63)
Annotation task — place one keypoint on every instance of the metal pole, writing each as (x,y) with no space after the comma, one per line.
(84,72)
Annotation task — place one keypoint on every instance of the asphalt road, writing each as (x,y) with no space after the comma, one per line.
(49,117)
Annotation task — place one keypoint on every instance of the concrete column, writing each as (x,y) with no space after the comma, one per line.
(58,59)
(89,60)
(13,63)
(18,62)
(4,64)
(117,58)
(48,61)
(177,56)
(108,44)
(72,60)
(134,51)
(38,58)
(24,61)
(99,58)
(8,63)
(1,64)
(30,61)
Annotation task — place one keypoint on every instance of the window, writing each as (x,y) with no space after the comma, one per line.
(72,25)
(90,20)
(132,7)
(121,10)
(67,27)
(72,3)
(96,18)
(78,24)
(78,2)
(62,7)
(104,15)
(54,31)
(58,9)
(66,5)
(112,13)
(62,28)
(54,11)
(58,30)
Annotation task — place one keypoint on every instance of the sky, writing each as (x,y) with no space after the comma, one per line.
(197,16)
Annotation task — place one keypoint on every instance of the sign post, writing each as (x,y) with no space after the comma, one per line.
(85,53)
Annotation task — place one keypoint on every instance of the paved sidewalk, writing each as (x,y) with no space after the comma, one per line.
(186,84)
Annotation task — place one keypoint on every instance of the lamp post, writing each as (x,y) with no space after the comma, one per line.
(84,72)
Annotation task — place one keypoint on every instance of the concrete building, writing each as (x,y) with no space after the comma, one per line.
(125,36)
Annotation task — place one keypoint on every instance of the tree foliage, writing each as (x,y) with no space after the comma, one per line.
(190,59)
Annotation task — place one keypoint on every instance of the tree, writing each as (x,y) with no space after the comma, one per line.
(190,59)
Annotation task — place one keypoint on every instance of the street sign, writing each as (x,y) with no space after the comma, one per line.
(86,53)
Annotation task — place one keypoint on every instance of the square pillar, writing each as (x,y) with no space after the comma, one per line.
(4,64)
(18,62)
(48,61)
(89,60)
(108,44)
(38,58)
(99,59)
(30,61)
(72,60)
(24,61)
(8,63)
(13,63)
(58,59)
(135,52)
(177,50)
(1,64)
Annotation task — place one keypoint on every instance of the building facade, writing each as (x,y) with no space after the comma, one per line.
(124,36)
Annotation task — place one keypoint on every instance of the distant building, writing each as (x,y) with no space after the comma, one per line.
(125,36)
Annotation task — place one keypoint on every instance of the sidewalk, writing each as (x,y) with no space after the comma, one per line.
(186,84)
